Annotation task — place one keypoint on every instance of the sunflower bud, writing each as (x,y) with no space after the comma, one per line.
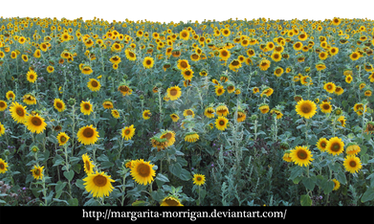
(35,149)
(6,152)
(71,101)
(141,97)
(125,76)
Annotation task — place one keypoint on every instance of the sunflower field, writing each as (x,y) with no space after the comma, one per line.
(218,113)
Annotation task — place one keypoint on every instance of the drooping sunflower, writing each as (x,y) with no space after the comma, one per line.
(108,104)
(142,172)
(264,64)
(146,114)
(115,59)
(3,166)
(235,64)
(35,123)
(174,117)
(62,138)
(87,135)
(321,144)
(352,164)
(353,148)
(174,92)
(94,85)
(221,123)
(128,132)
(87,164)
(301,156)
(191,137)
(29,99)
(31,76)
(86,69)
(18,112)
(59,105)
(335,146)
(326,107)
(268,92)
(329,87)
(222,110)
(286,157)
(125,90)
(306,108)
(264,108)
(99,184)
(209,112)
(170,201)
(369,127)
(342,120)
(86,107)
(198,179)
(37,172)
(148,62)
(188,112)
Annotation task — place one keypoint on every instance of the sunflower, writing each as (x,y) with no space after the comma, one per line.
(31,76)
(29,99)
(3,105)
(86,69)
(301,156)
(37,172)
(242,116)
(142,172)
(335,146)
(329,87)
(184,35)
(187,74)
(235,64)
(130,55)
(348,79)
(264,64)
(182,64)
(10,95)
(170,136)
(99,184)
(86,107)
(320,66)
(198,179)
(115,113)
(191,137)
(174,117)
(352,164)
(3,166)
(369,127)
(170,201)
(35,123)
(342,120)
(87,135)
(128,132)
(62,138)
(276,56)
(159,143)
(188,112)
(222,110)
(306,108)
(107,104)
(353,148)
(325,107)
(368,92)
(2,129)
(278,71)
(59,105)
(286,157)
(268,91)
(18,112)
(224,54)
(354,56)
(94,85)
(125,90)
(221,123)
(321,144)
(115,59)
(255,90)
(209,112)
(147,114)
(336,184)
(219,90)
(148,62)
(264,108)
(88,166)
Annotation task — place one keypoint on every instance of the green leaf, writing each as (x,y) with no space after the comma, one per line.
(305,200)
(341,178)
(368,195)
(59,187)
(309,183)
(162,178)
(79,184)
(73,202)
(328,187)
(69,175)
(139,203)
